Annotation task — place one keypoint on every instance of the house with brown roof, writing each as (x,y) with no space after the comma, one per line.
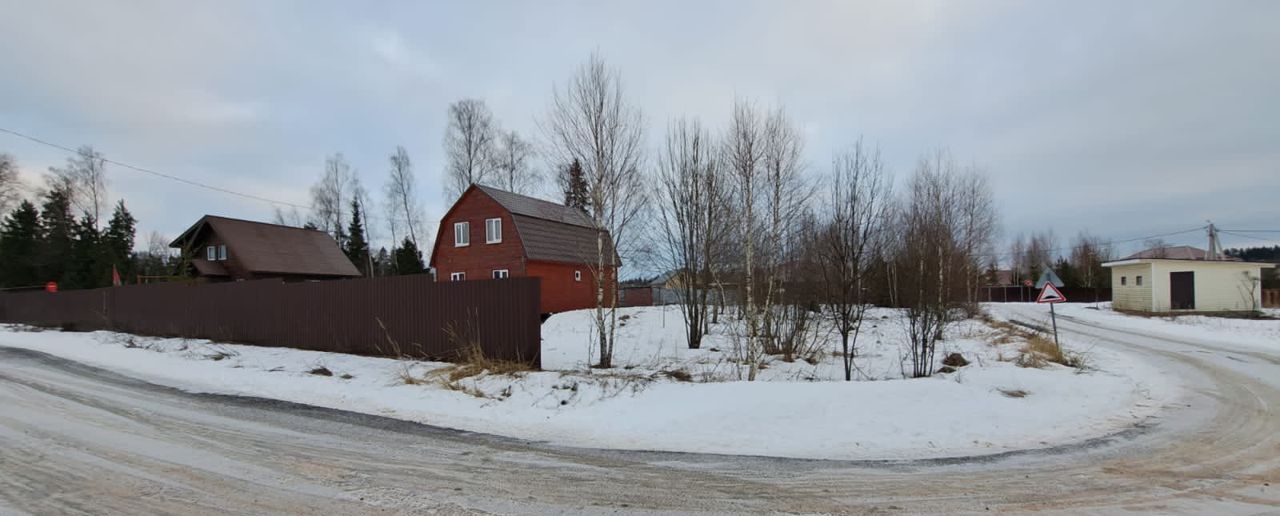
(226,249)
(493,234)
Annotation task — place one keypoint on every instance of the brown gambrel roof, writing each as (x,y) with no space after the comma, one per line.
(274,249)
(551,232)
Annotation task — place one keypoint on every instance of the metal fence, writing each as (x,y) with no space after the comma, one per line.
(393,316)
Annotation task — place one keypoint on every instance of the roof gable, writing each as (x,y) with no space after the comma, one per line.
(270,248)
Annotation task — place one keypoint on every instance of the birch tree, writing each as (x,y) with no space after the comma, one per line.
(512,164)
(330,195)
(591,121)
(743,158)
(10,184)
(85,177)
(469,141)
(403,210)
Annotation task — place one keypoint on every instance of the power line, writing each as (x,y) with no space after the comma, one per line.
(159,174)
(1251,230)
(273,202)
(1234,233)
(1106,242)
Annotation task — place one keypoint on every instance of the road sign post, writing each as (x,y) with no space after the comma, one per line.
(1050,295)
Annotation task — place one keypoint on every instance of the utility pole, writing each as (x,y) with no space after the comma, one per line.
(1215,251)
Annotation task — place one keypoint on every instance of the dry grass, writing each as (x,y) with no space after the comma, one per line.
(1037,350)
(1014,393)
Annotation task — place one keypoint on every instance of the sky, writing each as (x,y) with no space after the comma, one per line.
(1124,119)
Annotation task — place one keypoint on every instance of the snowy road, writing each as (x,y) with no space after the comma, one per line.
(74,439)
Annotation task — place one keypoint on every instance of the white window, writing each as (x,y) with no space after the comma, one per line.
(492,231)
(1124,280)
(222,253)
(501,274)
(211,253)
(457,276)
(461,234)
(577,275)
(1137,281)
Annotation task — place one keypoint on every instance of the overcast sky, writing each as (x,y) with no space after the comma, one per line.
(1121,118)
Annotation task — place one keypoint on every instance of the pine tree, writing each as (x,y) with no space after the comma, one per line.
(408,259)
(85,267)
(575,188)
(382,265)
(19,244)
(58,232)
(356,248)
(117,241)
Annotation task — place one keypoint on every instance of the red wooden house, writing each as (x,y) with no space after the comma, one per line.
(495,234)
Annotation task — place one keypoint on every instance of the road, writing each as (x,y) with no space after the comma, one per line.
(79,440)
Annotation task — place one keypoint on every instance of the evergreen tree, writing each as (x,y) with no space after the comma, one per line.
(85,264)
(382,265)
(408,259)
(19,244)
(575,188)
(117,242)
(356,248)
(58,232)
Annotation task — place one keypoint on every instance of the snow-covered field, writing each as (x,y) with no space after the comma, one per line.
(800,409)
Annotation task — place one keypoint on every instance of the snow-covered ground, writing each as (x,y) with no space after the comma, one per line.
(800,409)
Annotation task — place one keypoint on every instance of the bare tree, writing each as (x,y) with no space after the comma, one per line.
(591,121)
(743,158)
(329,197)
(1088,253)
(928,257)
(403,211)
(469,142)
(784,197)
(858,206)
(978,224)
(10,184)
(692,199)
(512,170)
(287,218)
(85,176)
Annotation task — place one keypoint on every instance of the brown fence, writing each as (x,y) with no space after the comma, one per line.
(1028,294)
(403,315)
(1271,298)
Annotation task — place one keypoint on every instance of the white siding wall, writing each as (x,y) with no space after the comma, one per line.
(1220,286)
(1130,296)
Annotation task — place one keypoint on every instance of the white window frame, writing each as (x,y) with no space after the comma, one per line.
(461,234)
(501,273)
(457,276)
(211,253)
(222,253)
(493,231)
(1137,281)
(577,275)
(1124,281)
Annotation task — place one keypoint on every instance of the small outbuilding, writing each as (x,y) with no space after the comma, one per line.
(1182,279)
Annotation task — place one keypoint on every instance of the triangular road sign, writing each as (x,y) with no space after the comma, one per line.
(1050,294)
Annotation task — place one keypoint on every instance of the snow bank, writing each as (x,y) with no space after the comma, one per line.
(796,412)
(1246,334)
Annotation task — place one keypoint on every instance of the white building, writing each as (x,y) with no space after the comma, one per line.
(1180,279)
